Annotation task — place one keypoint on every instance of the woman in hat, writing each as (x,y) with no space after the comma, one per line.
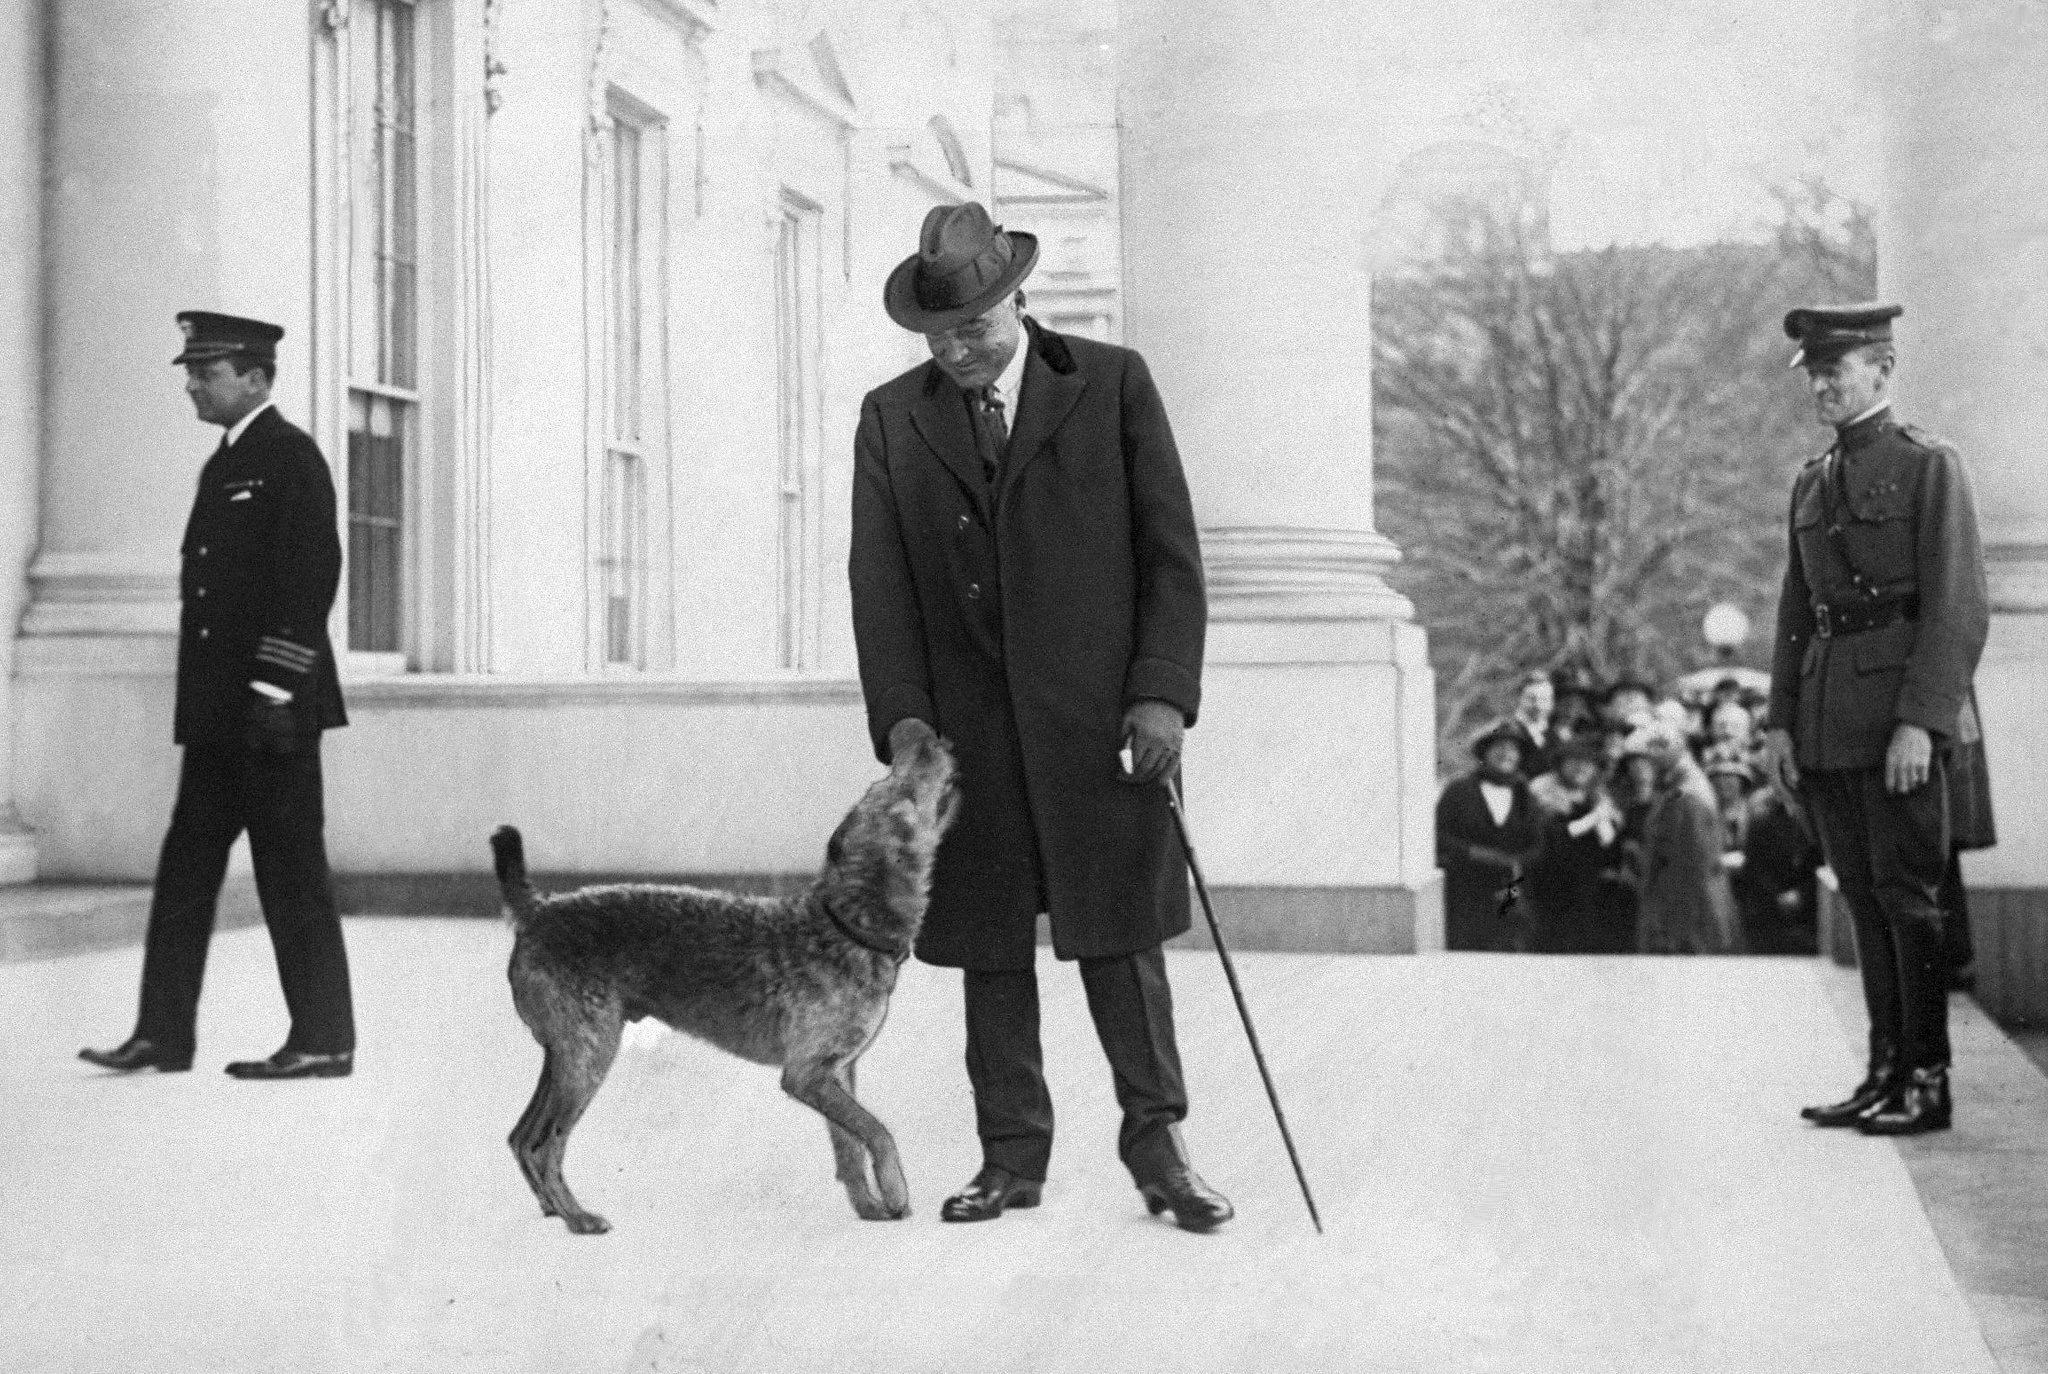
(1581,839)
(1685,905)
(1488,831)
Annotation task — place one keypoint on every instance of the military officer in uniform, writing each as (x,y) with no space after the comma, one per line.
(256,686)
(1880,624)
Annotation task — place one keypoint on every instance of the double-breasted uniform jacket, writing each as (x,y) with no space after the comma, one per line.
(261,562)
(1020,624)
(1883,530)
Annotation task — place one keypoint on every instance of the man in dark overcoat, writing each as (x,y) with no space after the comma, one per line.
(1027,582)
(256,687)
(1881,621)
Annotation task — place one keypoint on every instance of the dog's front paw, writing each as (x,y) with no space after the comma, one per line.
(868,1207)
(876,1211)
(586,1223)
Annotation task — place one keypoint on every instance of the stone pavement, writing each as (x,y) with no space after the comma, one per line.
(1524,1164)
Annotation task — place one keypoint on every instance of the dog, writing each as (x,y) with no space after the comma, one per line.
(800,982)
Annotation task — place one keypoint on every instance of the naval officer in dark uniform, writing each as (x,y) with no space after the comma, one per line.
(256,686)
(1881,621)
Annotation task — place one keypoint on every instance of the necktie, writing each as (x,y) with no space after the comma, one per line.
(991,433)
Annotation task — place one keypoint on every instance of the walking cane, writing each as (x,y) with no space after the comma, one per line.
(1180,823)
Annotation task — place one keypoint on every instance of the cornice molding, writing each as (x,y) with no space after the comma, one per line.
(781,70)
(905,163)
(694,19)
(484,692)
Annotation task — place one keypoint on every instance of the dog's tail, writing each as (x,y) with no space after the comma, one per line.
(508,854)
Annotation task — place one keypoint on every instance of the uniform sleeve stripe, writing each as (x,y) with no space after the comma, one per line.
(274,661)
(287,649)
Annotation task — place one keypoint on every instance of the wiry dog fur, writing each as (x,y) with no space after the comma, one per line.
(773,981)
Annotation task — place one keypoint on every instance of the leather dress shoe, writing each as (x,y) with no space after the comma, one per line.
(1195,1205)
(1871,1094)
(1922,1104)
(989,1193)
(138,1053)
(295,1064)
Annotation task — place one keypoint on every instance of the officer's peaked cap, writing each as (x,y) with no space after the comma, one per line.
(209,336)
(1828,331)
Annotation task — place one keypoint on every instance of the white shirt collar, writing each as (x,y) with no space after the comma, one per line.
(239,427)
(1884,404)
(1500,800)
(1011,383)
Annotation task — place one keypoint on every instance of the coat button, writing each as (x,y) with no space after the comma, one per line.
(203,632)
(973,591)
(202,550)
(964,522)
(200,592)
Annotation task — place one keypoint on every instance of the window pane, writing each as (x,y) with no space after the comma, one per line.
(626,209)
(376,510)
(622,557)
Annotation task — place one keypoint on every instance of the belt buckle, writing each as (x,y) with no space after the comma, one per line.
(1823,622)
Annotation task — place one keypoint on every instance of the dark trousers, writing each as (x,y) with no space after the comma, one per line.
(1133,1012)
(223,790)
(1889,853)
(1957,946)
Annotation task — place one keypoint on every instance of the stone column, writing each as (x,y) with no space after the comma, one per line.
(21,193)
(1963,244)
(176,177)
(1248,159)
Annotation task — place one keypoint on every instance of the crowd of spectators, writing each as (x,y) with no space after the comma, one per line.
(1621,819)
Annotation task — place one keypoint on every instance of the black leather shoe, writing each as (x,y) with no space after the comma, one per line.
(1195,1205)
(1871,1094)
(138,1053)
(1922,1104)
(990,1192)
(295,1064)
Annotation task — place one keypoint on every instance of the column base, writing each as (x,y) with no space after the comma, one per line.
(17,850)
(1324,920)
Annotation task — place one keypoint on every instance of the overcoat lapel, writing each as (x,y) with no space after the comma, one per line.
(940,418)
(1047,398)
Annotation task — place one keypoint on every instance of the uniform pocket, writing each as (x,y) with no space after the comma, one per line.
(1880,537)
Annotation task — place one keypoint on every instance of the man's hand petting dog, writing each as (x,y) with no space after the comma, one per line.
(1152,733)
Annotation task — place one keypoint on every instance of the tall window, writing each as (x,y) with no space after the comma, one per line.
(797,266)
(383,351)
(633,431)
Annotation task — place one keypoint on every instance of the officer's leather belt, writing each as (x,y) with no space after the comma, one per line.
(1829,621)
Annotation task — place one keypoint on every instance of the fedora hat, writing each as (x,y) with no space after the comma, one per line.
(963,265)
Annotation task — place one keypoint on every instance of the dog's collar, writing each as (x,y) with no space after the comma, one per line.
(861,937)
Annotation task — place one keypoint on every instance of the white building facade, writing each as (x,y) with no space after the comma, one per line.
(580,301)
(581,298)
